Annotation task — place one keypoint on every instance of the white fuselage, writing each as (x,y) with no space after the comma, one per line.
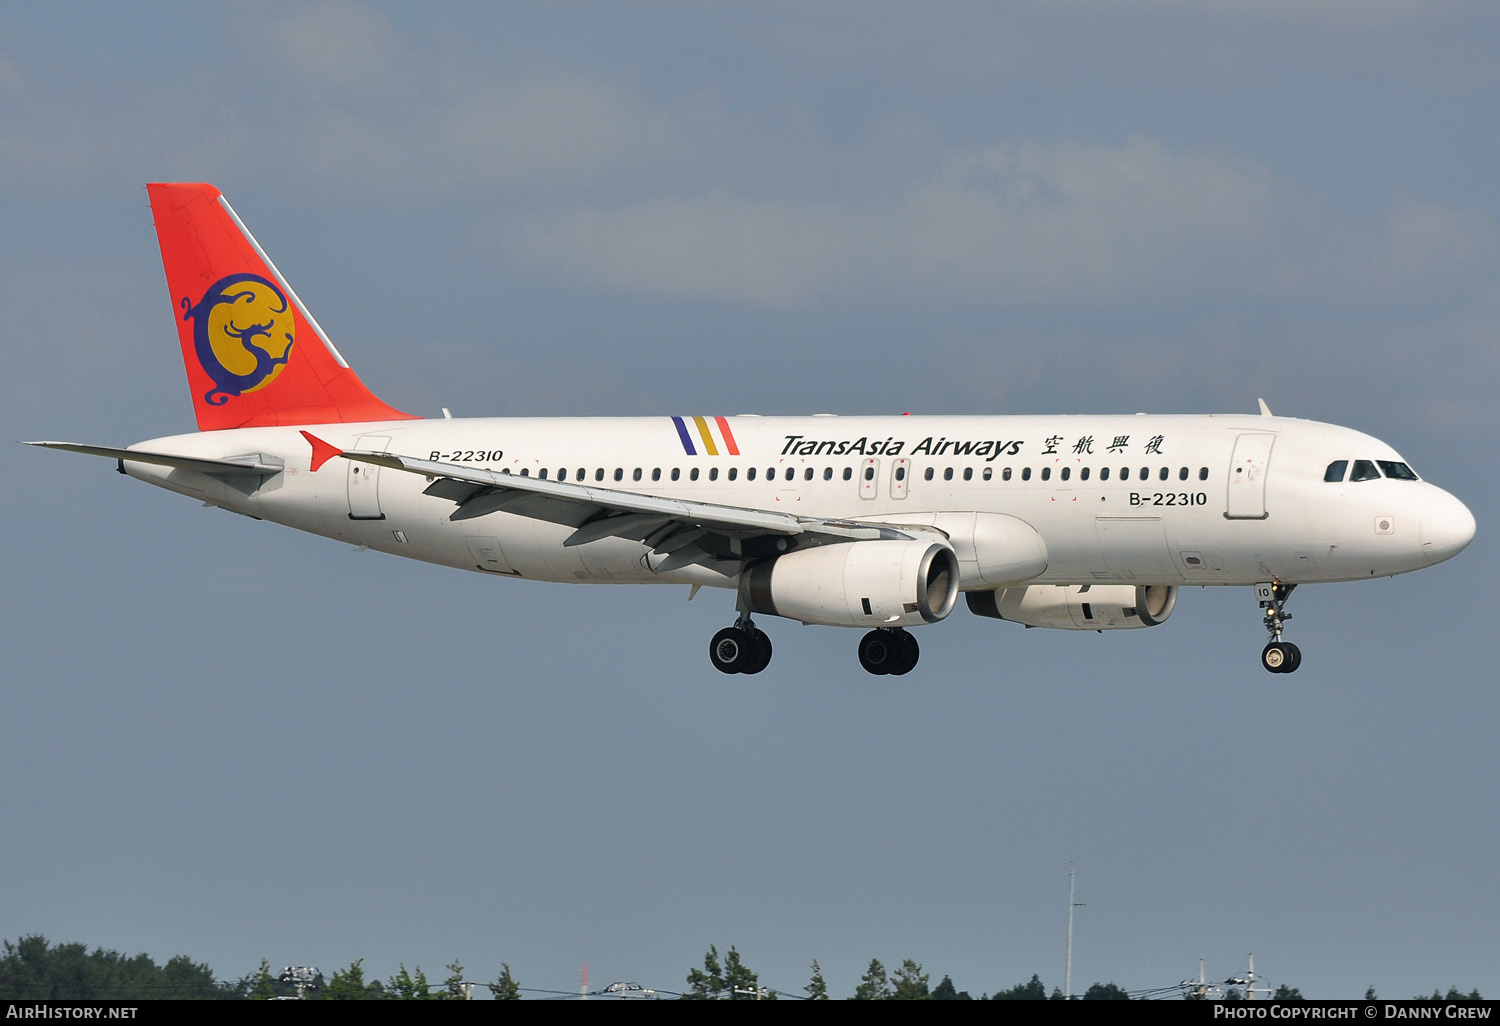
(1173,500)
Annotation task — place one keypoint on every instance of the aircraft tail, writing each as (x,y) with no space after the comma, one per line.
(255,357)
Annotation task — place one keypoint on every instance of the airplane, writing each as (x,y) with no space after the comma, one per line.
(873,522)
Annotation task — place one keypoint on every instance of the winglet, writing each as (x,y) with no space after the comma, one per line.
(1265,411)
(322,452)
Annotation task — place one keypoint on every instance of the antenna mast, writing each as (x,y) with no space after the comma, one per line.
(1068,971)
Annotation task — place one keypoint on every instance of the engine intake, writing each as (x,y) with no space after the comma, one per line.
(886,583)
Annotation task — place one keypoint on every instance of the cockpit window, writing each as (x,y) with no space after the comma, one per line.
(1396,471)
(1364,470)
(1335,471)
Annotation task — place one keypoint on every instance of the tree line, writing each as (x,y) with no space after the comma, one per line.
(730,979)
(33,969)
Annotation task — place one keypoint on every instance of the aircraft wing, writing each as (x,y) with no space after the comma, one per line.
(682,530)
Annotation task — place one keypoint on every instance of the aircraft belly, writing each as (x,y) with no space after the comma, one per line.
(1136,548)
(534,549)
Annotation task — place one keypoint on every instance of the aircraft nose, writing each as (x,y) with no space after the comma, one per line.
(1447,528)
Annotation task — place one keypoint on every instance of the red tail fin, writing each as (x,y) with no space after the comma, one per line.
(255,357)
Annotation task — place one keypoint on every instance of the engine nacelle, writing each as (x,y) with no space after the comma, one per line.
(1078,607)
(857,584)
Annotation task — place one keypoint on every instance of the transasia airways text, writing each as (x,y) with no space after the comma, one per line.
(990,449)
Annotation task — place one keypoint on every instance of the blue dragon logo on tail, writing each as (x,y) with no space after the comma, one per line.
(243,331)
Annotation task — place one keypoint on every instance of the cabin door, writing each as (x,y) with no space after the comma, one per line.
(1246,498)
(364,480)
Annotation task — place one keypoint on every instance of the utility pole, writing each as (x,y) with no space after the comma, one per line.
(1250,990)
(1068,972)
(1248,981)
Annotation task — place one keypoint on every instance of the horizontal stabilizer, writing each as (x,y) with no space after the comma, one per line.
(250,463)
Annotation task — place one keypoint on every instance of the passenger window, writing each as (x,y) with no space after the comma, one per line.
(582,475)
(791,473)
(525,471)
(1083,475)
(750,474)
(541,473)
(1182,475)
(734,472)
(989,472)
(1046,473)
(676,473)
(947,473)
(1025,473)
(1164,473)
(869,473)
(693,474)
(656,473)
(1145,473)
(1067,472)
(1202,473)
(1364,470)
(1335,471)
(848,473)
(1005,474)
(619,473)
(807,474)
(968,473)
(927,474)
(827,473)
(713,473)
(1104,473)
(1397,471)
(636,474)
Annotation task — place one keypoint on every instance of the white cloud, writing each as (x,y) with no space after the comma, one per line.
(1018,224)
(339,46)
(673,190)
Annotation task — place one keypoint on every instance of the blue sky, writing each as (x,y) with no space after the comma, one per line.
(228,740)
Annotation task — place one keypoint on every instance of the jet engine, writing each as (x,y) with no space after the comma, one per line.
(885,583)
(1078,607)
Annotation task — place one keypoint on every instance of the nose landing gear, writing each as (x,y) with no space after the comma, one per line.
(1278,656)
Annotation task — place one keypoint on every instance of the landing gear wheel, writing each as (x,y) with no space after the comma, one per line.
(760,657)
(1278,656)
(910,652)
(1281,657)
(880,651)
(731,650)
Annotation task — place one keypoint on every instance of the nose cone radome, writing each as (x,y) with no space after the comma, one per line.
(1447,528)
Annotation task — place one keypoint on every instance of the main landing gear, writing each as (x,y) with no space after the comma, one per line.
(890,650)
(743,648)
(1278,656)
